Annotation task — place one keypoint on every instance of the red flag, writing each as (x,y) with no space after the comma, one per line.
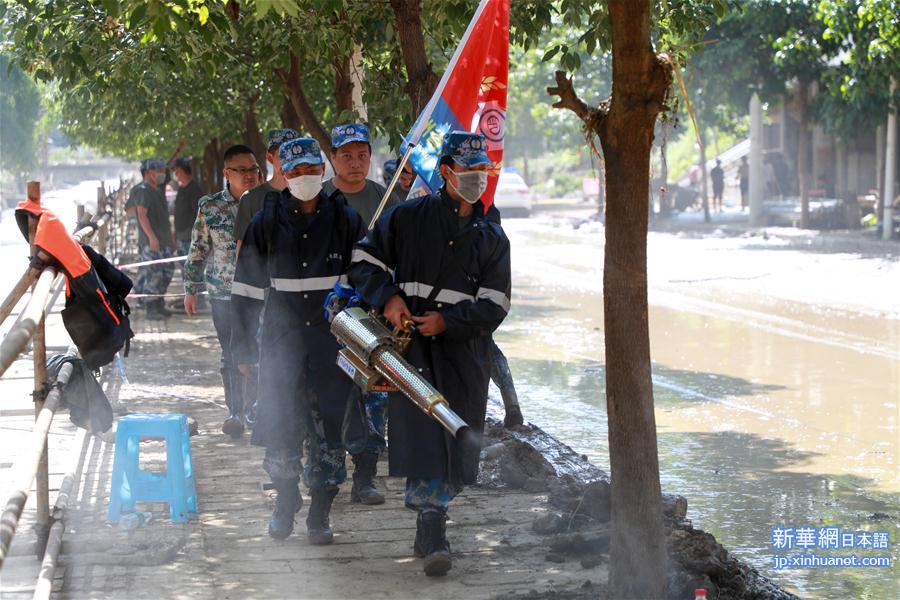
(471,96)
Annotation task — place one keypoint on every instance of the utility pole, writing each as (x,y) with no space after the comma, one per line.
(757,178)
(890,169)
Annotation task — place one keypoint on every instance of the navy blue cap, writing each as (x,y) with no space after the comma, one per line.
(299,151)
(465,148)
(152,163)
(389,168)
(276,137)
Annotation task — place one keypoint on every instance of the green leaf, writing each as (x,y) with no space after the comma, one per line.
(137,15)
(111,7)
(262,9)
(203,14)
(551,53)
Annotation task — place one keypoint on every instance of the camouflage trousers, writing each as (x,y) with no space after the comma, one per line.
(325,464)
(426,495)
(376,409)
(154,279)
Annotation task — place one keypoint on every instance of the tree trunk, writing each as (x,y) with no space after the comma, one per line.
(289,117)
(421,79)
(343,86)
(208,173)
(293,87)
(640,84)
(704,181)
(525,172)
(803,184)
(197,171)
(641,81)
(253,137)
(664,209)
(220,164)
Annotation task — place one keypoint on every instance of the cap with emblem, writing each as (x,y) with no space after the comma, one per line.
(276,137)
(466,149)
(341,135)
(152,163)
(299,151)
(389,168)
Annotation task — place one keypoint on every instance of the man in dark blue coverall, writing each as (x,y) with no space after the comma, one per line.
(439,260)
(296,248)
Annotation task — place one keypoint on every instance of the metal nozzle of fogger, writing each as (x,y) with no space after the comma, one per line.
(372,352)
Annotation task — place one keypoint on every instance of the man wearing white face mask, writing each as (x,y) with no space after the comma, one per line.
(294,251)
(154,236)
(438,260)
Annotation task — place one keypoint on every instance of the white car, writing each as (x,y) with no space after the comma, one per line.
(512,197)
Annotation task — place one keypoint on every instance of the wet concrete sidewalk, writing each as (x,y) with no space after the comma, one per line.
(225,552)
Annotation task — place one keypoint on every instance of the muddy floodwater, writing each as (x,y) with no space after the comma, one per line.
(776,372)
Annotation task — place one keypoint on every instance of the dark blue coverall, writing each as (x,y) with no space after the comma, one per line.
(287,265)
(415,247)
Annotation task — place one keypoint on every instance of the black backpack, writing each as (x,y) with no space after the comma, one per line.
(96,313)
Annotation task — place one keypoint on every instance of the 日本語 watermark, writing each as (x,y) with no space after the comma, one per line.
(829,538)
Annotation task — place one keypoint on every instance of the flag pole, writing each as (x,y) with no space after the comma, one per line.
(429,109)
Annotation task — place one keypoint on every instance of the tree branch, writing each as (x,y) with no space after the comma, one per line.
(293,87)
(568,98)
(421,78)
(593,118)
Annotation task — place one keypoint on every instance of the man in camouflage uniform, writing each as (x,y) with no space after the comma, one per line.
(155,239)
(211,259)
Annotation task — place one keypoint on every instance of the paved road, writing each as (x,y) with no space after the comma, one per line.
(226,553)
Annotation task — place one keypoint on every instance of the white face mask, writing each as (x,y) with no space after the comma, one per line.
(471,185)
(160,178)
(305,187)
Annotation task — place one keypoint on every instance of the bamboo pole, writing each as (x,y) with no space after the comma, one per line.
(25,471)
(67,490)
(42,483)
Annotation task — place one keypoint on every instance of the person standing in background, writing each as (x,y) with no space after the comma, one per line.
(211,262)
(187,200)
(744,182)
(717,174)
(155,240)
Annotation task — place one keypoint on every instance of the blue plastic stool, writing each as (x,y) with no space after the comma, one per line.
(176,486)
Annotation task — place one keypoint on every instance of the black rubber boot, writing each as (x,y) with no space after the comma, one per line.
(287,502)
(502,376)
(318,527)
(163,310)
(249,398)
(513,416)
(419,550)
(431,543)
(233,425)
(364,490)
(156,309)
